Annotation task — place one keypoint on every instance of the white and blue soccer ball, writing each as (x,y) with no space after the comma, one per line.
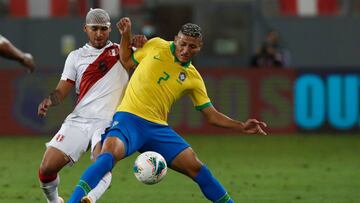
(150,167)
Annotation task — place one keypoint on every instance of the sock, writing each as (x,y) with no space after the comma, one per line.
(99,190)
(49,185)
(92,176)
(210,187)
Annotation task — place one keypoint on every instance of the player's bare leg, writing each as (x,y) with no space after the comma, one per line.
(186,162)
(53,161)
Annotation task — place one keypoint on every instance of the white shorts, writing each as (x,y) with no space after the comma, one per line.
(74,138)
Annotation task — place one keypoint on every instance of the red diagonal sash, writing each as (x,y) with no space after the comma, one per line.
(96,70)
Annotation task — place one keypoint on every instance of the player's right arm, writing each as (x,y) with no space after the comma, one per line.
(56,97)
(65,85)
(124,27)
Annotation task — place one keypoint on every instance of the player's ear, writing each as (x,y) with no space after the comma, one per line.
(176,39)
(201,43)
(84,28)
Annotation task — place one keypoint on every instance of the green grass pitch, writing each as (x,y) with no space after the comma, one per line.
(254,169)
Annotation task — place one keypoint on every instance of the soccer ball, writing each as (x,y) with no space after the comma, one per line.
(150,167)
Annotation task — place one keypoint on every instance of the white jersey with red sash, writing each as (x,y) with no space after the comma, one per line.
(99,79)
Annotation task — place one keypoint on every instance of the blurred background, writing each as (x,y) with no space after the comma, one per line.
(291,63)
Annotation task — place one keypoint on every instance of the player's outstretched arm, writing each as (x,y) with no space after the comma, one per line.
(124,27)
(55,98)
(251,126)
(8,50)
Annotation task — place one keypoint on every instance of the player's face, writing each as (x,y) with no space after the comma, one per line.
(186,47)
(98,35)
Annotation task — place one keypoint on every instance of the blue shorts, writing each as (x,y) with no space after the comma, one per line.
(141,135)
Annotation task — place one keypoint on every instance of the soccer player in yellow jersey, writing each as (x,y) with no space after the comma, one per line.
(163,74)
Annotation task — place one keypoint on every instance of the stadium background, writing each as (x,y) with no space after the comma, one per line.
(312,103)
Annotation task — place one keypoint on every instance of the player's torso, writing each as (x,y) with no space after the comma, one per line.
(156,84)
(100,80)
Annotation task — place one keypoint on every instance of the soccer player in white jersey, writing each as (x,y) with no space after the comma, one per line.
(99,79)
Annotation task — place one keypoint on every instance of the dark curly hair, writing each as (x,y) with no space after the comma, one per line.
(192,30)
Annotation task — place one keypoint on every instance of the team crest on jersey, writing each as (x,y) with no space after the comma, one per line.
(113,52)
(103,66)
(59,137)
(182,76)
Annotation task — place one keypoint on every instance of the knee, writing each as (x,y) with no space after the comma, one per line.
(194,170)
(46,173)
(187,163)
(47,168)
(114,146)
(194,164)
(192,167)
(53,161)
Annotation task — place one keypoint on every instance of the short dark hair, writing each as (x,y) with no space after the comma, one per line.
(191,29)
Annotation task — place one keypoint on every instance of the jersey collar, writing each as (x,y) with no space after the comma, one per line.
(108,43)
(185,64)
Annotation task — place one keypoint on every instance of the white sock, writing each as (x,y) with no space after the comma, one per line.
(99,190)
(50,190)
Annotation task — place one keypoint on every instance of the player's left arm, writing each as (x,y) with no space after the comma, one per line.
(251,126)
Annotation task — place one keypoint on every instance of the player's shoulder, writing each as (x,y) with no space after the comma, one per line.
(74,55)
(79,50)
(157,42)
(192,70)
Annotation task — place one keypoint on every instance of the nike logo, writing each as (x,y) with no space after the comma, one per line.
(115,123)
(157,57)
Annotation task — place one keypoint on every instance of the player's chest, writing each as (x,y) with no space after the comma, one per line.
(94,64)
(168,74)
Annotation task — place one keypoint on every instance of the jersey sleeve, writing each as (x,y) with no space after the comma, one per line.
(199,95)
(69,72)
(141,53)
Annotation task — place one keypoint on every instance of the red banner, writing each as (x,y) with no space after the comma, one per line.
(239,93)
(265,94)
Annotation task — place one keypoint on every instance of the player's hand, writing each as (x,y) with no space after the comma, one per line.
(28,62)
(253,126)
(43,107)
(138,41)
(124,26)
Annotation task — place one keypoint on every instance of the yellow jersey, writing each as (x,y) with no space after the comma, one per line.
(159,80)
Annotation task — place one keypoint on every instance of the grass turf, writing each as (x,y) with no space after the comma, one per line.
(254,169)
